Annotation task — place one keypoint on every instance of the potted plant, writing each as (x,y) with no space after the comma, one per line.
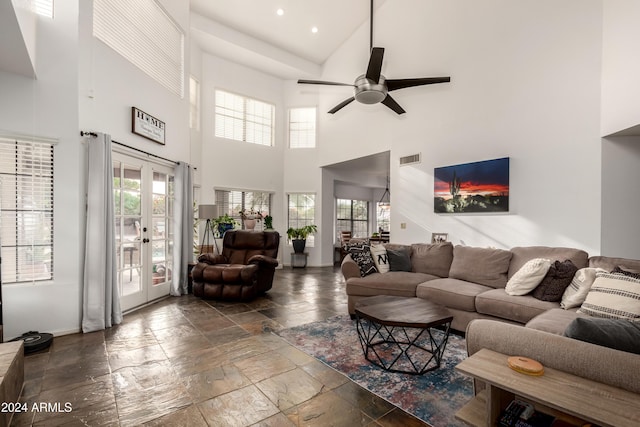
(298,236)
(223,223)
(268,222)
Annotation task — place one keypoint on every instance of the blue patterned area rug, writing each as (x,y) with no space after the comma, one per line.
(433,397)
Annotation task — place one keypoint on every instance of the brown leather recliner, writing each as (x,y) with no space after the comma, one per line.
(243,271)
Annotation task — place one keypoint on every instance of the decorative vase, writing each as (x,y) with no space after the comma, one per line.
(223,228)
(250,224)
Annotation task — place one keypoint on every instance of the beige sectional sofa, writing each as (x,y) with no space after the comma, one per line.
(470,282)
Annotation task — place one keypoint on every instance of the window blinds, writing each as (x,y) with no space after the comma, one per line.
(26,210)
(143,33)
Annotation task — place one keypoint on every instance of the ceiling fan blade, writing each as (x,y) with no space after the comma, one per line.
(394,84)
(322,82)
(391,103)
(341,105)
(375,64)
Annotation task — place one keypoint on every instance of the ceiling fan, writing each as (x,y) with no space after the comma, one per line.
(372,87)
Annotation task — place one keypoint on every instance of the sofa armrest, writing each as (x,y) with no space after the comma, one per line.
(594,362)
(211,259)
(263,260)
(349,268)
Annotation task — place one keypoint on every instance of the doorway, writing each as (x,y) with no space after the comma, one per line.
(144,207)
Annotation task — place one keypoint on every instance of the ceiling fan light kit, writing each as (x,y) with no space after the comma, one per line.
(372,87)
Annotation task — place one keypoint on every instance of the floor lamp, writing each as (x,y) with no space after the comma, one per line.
(208,212)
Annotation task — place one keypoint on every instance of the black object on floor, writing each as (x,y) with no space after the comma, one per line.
(35,341)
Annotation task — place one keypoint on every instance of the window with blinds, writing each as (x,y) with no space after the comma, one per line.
(143,33)
(244,119)
(231,202)
(302,212)
(26,210)
(302,127)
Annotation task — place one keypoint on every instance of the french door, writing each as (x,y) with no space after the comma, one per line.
(144,206)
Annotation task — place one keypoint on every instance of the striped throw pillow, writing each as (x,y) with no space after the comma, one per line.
(613,296)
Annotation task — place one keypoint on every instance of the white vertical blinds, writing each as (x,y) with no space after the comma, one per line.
(243,119)
(26,210)
(143,33)
(302,127)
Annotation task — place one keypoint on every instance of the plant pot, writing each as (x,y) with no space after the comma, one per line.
(298,245)
(223,228)
(250,224)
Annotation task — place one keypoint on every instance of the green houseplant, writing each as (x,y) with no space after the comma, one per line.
(223,223)
(298,236)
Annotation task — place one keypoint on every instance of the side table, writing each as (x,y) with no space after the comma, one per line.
(299,260)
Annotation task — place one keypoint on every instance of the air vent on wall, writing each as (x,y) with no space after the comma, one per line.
(410,160)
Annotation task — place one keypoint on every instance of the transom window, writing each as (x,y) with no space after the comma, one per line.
(302,212)
(302,127)
(353,215)
(26,210)
(244,119)
(143,33)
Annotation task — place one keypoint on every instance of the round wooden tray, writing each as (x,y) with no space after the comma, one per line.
(526,366)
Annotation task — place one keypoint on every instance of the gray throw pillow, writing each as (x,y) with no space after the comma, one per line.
(556,281)
(619,334)
(399,260)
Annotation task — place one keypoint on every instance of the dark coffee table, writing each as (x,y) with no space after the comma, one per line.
(400,334)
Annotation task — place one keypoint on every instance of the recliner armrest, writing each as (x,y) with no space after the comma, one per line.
(212,259)
(263,260)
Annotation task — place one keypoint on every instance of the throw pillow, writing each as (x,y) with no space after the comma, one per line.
(399,260)
(432,259)
(360,252)
(579,287)
(613,333)
(380,258)
(528,277)
(556,281)
(620,269)
(614,296)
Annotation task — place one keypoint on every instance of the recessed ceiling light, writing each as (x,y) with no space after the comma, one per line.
(314,30)
(280,12)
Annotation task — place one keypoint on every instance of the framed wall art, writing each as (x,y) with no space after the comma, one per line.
(479,187)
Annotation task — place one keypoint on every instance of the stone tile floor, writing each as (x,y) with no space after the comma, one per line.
(184,361)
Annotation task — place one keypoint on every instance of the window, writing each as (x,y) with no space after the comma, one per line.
(26,210)
(302,212)
(231,202)
(302,127)
(194,104)
(143,33)
(383,216)
(353,215)
(244,119)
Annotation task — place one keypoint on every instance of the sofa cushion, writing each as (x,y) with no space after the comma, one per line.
(554,321)
(613,333)
(528,277)
(399,283)
(524,253)
(380,258)
(609,263)
(432,258)
(485,266)
(451,293)
(521,309)
(622,269)
(399,260)
(555,282)
(614,296)
(578,289)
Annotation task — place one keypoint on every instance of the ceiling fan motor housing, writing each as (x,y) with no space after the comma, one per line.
(369,92)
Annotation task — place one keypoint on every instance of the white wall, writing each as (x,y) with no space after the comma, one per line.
(525,85)
(48,107)
(620,66)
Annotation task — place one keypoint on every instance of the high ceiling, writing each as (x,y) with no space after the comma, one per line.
(251,32)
